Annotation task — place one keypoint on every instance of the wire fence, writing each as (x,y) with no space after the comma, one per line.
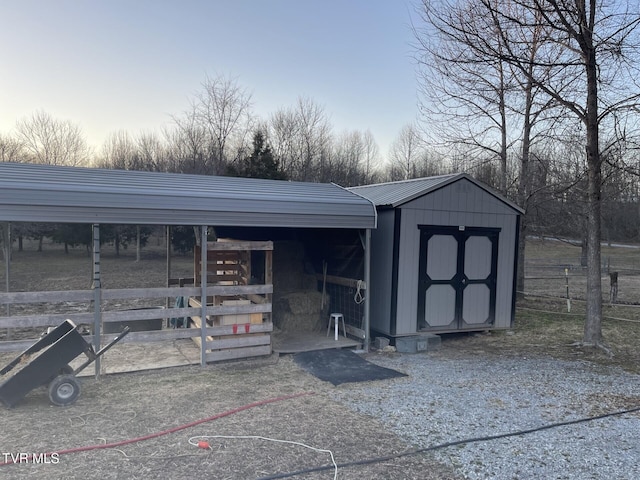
(349,301)
(560,283)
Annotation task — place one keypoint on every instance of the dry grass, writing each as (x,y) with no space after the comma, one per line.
(120,407)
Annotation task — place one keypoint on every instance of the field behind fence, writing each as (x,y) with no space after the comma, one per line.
(554,271)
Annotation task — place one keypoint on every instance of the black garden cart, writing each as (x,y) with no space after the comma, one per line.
(46,362)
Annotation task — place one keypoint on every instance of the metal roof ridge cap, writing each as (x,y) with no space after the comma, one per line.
(375,209)
(409,180)
(495,193)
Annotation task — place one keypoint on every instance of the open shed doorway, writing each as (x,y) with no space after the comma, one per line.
(316,272)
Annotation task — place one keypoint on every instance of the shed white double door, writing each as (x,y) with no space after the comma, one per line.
(457,281)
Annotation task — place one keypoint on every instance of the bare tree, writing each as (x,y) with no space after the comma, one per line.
(464,90)
(189,145)
(223,108)
(405,154)
(589,60)
(282,131)
(152,153)
(47,140)
(371,158)
(118,152)
(11,149)
(301,138)
(348,159)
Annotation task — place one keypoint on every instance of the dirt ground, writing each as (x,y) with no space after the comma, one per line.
(127,406)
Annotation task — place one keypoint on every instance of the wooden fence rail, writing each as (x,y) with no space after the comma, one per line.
(53,319)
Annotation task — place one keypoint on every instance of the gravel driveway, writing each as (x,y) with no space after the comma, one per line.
(450,396)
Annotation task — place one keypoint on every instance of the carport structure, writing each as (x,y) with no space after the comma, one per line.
(55,194)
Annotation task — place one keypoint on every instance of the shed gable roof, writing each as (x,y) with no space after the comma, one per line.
(395,194)
(45,193)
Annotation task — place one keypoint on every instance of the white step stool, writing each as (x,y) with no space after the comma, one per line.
(336,318)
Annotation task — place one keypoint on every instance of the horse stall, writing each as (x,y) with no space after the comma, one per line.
(304,267)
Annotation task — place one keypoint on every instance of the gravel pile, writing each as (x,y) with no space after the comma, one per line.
(451,396)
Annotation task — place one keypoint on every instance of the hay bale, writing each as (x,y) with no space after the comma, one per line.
(299,311)
(289,322)
(301,303)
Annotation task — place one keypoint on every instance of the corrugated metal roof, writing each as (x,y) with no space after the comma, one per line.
(394,194)
(44,193)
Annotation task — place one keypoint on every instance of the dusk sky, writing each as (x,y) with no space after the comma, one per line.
(129,64)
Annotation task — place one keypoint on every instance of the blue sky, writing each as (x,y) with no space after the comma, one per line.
(129,64)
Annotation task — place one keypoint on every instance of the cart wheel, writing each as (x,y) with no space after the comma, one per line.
(64,390)
(65,370)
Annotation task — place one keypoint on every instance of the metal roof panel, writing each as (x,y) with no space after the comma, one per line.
(45,193)
(394,194)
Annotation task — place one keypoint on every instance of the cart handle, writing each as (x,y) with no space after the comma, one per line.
(102,350)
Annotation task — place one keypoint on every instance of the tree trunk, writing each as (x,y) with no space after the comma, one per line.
(137,243)
(593,322)
(521,257)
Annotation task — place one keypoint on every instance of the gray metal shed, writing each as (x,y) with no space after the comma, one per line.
(444,256)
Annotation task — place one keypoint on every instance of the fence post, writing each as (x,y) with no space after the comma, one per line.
(613,290)
(97,296)
(6,245)
(566,277)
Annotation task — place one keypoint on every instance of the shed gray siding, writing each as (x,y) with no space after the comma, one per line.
(458,204)
(382,271)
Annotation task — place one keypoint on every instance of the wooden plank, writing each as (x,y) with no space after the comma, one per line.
(182,281)
(30,321)
(345,282)
(231,309)
(229,290)
(16,345)
(153,336)
(239,245)
(354,331)
(228,329)
(256,298)
(238,309)
(146,314)
(220,290)
(268,277)
(197,322)
(224,277)
(116,293)
(235,353)
(239,341)
(41,297)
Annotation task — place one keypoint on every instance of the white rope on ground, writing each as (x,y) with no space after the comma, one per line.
(194,441)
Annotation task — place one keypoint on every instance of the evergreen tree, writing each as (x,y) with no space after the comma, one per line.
(260,164)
